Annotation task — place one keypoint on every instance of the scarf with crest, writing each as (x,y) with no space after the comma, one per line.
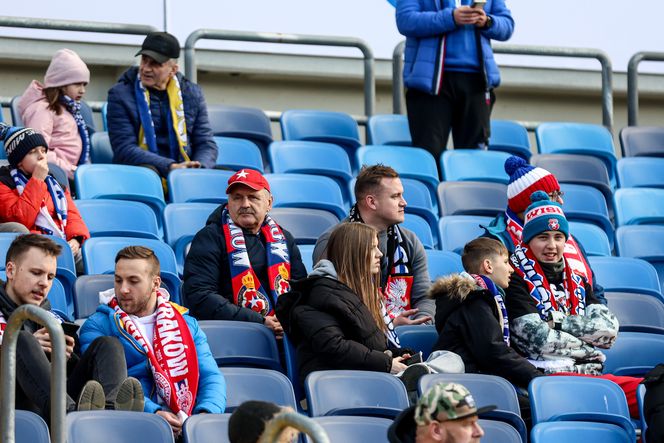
(45,221)
(399,282)
(74,109)
(486,283)
(147,138)
(247,289)
(172,354)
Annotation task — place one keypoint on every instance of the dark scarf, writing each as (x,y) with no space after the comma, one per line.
(486,283)
(74,109)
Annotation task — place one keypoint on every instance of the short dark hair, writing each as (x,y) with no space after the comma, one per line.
(369,179)
(478,250)
(23,243)
(248,420)
(139,253)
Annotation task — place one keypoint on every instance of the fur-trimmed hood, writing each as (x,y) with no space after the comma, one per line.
(451,292)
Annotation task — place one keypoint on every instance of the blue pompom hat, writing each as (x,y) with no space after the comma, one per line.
(524,180)
(543,215)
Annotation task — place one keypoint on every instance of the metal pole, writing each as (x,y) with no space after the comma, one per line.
(295,39)
(73,25)
(58,372)
(397,78)
(304,424)
(633,83)
(165,15)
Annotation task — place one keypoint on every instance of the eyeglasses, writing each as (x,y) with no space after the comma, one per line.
(555,195)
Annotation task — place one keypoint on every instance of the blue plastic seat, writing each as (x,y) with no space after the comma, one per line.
(13,110)
(241,122)
(593,238)
(364,393)
(292,371)
(61,301)
(86,293)
(641,172)
(30,428)
(626,274)
(457,230)
(486,390)
(309,157)
(569,398)
(206,428)
(640,397)
(637,312)
(354,429)
(237,153)
(305,224)
(322,126)
(100,148)
(472,198)
(645,242)
(587,204)
(241,343)
(474,165)
(499,432)
(418,199)
(639,206)
(578,138)
(418,337)
(307,191)
(634,353)
(198,185)
(389,129)
(511,137)
(104,115)
(579,432)
(121,182)
(443,263)
(244,384)
(136,220)
(642,141)
(66,271)
(117,427)
(421,228)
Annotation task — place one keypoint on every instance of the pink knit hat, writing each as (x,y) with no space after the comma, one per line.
(65,69)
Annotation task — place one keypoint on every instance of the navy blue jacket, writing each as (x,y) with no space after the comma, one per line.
(124,123)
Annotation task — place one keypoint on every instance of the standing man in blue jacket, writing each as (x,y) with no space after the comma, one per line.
(156,117)
(449,71)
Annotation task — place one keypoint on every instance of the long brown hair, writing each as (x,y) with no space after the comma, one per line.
(53,99)
(350,249)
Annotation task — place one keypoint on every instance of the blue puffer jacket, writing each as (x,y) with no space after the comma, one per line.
(211,395)
(425,23)
(124,123)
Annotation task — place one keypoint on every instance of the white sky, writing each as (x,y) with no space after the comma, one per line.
(614,26)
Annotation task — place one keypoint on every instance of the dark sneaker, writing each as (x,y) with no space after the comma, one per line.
(92,397)
(410,377)
(130,396)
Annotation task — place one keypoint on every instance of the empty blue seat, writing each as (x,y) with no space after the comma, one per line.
(637,312)
(389,129)
(421,228)
(457,230)
(307,191)
(241,122)
(579,432)
(645,242)
(241,343)
(637,141)
(13,110)
(418,199)
(86,293)
(30,428)
(237,153)
(578,138)
(625,274)
(639,206)
(198,185)
(100,148)
(511,137)
(472,198)
(634,353)
(641,172)
(206,428)
(290,361)
(307,252)
(354,429)
(640,396)
(117,427)
(305,224)
(587,204)
(364,393)
(244,384)
(61,301)
(474,165)
(593,238)
(443,263)
(66,271)
(418,337)
(499,432)
(135,219)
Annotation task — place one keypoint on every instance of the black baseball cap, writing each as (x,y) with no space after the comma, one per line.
(161,46)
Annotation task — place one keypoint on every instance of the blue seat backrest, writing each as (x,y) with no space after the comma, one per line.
(354,429)
(421,228)
(578,432)
(305,224)
(86,292)
(198,185)
(307,191)
(457,230)
(244,384)
(474,165)
(510,136)
(99,253)
(237,153)
(637,312)
(137,219)
(117,426)
(418,337)
(472,198)
(593,238)
(206,428)
(241,122)
(642,141)
(639,206)
(641,172)
(499,432)
(389,129)
(634,353)
(442,263)
(30,428)
(626,274)
(100,148)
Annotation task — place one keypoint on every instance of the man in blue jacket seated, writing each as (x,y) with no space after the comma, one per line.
(156,117)
(164,346)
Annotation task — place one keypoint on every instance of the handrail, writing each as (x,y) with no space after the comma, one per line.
(294,39)
(302,423)
(58,372)
(633,82)
(74,25)
(547,51)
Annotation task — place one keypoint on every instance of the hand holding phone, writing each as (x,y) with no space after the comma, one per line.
(69,328)
(479,3)
(415,358)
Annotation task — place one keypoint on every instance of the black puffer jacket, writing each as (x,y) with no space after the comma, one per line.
(330,326)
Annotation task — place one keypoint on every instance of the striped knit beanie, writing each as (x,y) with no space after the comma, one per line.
(543,215)
(19,141)
(524,180)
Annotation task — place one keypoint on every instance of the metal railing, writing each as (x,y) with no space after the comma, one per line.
(293,39)
(633,82)
(73,25)
(58,372)
(547,51)
(304,424)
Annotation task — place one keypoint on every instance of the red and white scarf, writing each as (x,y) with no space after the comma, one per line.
(172,356)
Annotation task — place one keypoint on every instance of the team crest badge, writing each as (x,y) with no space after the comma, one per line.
(281,284)
(250,298)
(553,224)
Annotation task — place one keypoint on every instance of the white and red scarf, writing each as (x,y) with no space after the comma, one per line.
(172,356)
(247,289)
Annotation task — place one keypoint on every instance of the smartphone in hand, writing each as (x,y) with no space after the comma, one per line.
(69,328)
(479,3)
(416,358)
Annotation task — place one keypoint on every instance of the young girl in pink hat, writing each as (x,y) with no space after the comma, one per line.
(54,110)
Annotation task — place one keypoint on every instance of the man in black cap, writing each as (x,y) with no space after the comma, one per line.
(156,117)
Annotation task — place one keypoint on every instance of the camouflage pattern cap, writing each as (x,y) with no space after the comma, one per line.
(446,401)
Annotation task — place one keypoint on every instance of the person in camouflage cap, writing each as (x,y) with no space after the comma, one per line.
(445,413)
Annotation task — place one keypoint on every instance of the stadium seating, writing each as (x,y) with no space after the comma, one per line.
(244,384)
(639,206)
(637,312)
(641,172)
(364,393)
(474,165)
(13,108)
(117,427)
(640,396)
(593,239)
(442,263)
(198,185)
(639,141)
(499,432)
(30,428)
(307,191)
(135,219)
(66,271)
(511,137)
(181,223)
(634,353)
(206,428)
(60,301)
(457,230)
(626,274)
(418,337)
(354,429)
(388,129)
(579,432)
(587,204)
(305,224)
(472,198)
(241,122)
(307,251)
(86,293)
(241,343)
(418,202)
(237,153)
(100,148)
(292,370)
(645,242)
(104,114)
(421,228)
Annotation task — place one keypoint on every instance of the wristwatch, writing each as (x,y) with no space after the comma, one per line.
(489,22)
